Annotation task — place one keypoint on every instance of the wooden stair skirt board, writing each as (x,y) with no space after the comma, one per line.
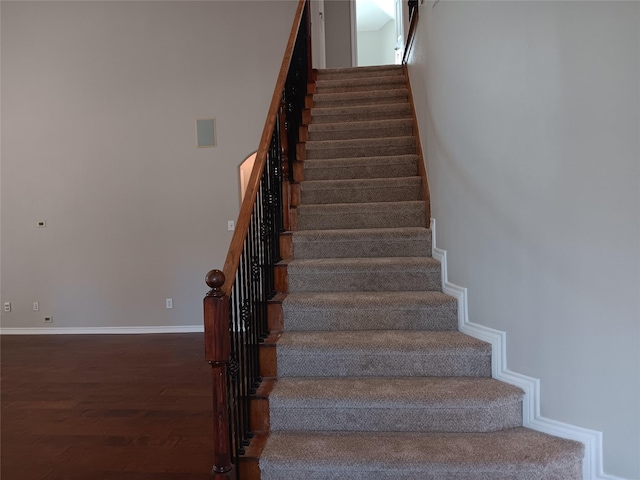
(367,373)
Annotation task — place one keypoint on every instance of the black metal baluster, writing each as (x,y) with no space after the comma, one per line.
(246,315)
(242,278)
(233,364)
(267,270)
(254,302)
(265,237)
(255,284)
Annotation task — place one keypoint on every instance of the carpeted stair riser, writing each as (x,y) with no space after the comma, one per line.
(352,168)
(371,97)
(364,274)
(376,353)
(363,243)
(428,404)
(361,215)
(360,84)
(361,190)
(338,311)
(402,127)
(514,454)
(355,148)
(360,114)
(361,72)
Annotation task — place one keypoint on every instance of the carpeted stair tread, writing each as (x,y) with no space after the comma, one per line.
(361,215)
(383,343)
(369,110)
(365,167)
(361,147)
(514,454)
(355,72)
(365,234)
(370,97)
(386,353)
(359,142)
(361,190)
(422,404)
(385,392)
(367,83)
(336,127)
(397,127)
(353,243)
(360,113)
(364,274)
(316,311)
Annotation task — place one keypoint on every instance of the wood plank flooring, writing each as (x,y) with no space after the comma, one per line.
(105,407)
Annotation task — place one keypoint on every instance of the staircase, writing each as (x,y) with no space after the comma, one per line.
(374,380)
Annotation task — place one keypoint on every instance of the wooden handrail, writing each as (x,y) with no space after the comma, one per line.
(244,217)
(413,24)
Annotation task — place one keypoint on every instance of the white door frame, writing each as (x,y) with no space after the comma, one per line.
(354,33)
(318,47)
(401,8)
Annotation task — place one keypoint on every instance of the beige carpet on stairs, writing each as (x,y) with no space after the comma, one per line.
(374,380)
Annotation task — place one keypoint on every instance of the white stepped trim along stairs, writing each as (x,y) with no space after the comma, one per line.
(376,379)
(592,465)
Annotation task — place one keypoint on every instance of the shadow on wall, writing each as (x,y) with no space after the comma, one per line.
(245,172)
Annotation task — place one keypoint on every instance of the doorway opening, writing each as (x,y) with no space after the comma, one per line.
(244,173)
(379,32)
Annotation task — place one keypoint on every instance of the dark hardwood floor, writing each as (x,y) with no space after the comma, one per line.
(105,407)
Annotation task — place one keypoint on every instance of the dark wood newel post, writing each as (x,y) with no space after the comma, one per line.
(218,352)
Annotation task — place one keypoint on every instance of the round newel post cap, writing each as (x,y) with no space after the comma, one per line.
(215,280)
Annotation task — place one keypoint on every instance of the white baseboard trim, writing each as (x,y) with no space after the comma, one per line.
(102,330)
(592,439)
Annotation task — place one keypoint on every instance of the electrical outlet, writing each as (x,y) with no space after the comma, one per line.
(7,306)
(231,225)
(48,319)
(169,302)
(36,307)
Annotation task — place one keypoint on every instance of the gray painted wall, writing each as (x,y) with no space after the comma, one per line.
(337,15)
(99,101)
(529,116)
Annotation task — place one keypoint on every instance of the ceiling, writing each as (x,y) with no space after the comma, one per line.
(374,14)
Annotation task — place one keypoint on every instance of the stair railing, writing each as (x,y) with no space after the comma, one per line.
(413,24)
(235,309)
